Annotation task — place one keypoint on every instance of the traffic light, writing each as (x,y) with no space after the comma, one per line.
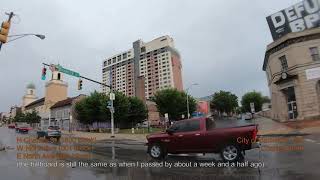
(44,72)
(4,31)
(79,84)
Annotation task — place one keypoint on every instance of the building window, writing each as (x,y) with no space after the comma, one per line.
(124,55)
(284,63)
(143,49)
(314,53)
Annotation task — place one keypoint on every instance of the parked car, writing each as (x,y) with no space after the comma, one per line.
(11,126)
(144,124)
(23,129)
(247,116)
(19,124)
(201,136)
(49,132)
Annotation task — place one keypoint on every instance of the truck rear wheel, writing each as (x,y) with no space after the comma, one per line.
(231,153)
(156,151)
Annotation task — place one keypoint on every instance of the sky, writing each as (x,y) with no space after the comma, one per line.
(222,43)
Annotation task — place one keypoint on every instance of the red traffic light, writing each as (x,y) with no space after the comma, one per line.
(44,72)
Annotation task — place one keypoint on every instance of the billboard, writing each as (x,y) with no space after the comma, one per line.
(301,16)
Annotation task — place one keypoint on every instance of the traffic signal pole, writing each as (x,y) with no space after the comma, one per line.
(112,98)
(9,19)
(86,78)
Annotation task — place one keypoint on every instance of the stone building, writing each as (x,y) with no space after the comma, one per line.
(63,113)
(292,66)
(55,90)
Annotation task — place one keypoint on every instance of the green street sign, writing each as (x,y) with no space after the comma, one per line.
(67,71)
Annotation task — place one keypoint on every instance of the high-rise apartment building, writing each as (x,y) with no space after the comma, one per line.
(144,69)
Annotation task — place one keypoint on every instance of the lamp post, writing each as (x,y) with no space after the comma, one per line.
(187,90)
(18,36)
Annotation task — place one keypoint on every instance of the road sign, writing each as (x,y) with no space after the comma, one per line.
(112,96)
(166,115)
(109,104)
(252,107)
(67,71)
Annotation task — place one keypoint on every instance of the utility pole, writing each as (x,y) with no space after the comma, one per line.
(112,98)
(11,14)
(188,115)
(111,95)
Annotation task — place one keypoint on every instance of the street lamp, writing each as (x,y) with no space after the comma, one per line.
(189,87)
(18,36)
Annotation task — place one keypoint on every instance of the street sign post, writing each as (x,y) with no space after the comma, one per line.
(67,71)
(112,97)
(252,107)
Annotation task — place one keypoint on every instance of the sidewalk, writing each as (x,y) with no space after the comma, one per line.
(266,126)
(107,136)
(269,126)
(309,126)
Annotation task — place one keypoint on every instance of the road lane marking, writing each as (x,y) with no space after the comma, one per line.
(310,140)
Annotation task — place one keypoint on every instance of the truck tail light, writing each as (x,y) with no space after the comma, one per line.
(254,133)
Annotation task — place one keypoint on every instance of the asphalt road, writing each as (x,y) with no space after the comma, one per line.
(285,165)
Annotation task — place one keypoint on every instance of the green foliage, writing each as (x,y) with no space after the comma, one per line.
(224,101)
(266,99)
(121,107)
(32,117)
(28,117)
(174,103)
(94,109)
(254,97)
(20,117)
(137,110)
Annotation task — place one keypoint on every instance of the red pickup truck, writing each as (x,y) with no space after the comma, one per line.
(201,136)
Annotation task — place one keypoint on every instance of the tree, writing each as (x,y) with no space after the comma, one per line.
(92,108)
(32,117)
(121,108)
(266,99)
(28,117)
(174,103)
(250,97)
(224,101)
(20,117)
(137,110)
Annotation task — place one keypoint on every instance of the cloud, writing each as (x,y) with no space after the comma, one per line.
(222,43)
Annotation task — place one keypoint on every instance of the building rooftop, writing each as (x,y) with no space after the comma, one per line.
(65,102)
(39,101)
